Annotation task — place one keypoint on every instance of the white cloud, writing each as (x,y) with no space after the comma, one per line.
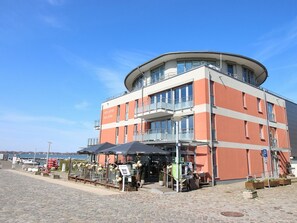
(277,41)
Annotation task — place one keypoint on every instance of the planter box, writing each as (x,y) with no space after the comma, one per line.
(272,183)
(284,181)
(250,185)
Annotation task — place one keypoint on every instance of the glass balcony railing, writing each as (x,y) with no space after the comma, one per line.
(273,143)
(159,135)
(165,105)
(97,124)
(93,141)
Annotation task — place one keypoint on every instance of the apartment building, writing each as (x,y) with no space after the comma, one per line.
(213,105)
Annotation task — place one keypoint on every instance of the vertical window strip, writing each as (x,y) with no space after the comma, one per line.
(246,129)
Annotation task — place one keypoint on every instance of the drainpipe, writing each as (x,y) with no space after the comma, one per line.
(210,131)
(268,133)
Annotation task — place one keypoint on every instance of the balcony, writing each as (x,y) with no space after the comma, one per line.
(163,136)
(162,108)
(97,125)
(93,141)
(273,143)
(154,110)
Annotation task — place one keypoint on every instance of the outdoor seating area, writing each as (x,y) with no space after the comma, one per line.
(145,164)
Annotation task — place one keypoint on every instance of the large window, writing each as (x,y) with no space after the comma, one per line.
(248,76)
(157,74)
(184,66)
(118,113)
(230,70)
(117,135)
(183,96)
(125,133)
(127,111)
(138,83)
(271,116)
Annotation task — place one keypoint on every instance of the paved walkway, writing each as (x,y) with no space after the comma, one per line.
(28,198)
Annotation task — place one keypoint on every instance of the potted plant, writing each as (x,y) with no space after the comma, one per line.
(284,181)
(161,182)
(254,184)
(272,182)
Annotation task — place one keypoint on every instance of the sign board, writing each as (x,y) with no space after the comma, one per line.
(264,153)
(124,170)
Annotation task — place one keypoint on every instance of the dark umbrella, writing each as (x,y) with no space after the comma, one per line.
(95,149)
(132,148)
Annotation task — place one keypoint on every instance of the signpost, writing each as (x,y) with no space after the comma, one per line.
(264,155)
(125,172)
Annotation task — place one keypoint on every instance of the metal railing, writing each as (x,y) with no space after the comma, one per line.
(93,141)
(97,124)
(162,135)
(273,143)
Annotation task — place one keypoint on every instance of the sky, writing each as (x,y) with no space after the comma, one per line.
(60,59)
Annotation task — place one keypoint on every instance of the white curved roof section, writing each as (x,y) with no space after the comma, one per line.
(259,69)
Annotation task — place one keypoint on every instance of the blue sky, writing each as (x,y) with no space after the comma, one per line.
(60,59)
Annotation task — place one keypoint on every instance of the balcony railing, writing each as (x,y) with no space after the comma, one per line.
(273,143)
(161,135)
(93,141)
(162,108)
(97,124)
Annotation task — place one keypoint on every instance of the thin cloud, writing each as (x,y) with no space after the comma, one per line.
(14,117)
(131,59)
(56,2)
(277,41)
(82,105)
(51,21)
(112,79)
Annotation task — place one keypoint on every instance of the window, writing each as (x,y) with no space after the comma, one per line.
(259,105)
(246,129)
(118,113)
(157,75)
(271,116)
(230,70)
(213,127)
(116,135)
(248,76)
(125,133)
(212,96)
(135,130)
(261,131)
(184,66)
(244,100)
(136,107)
(183,96)
(138,83)
(127,111)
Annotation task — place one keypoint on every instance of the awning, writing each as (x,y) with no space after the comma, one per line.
(134,148)
(95,149)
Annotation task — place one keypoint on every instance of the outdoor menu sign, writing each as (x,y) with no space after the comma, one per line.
(124,170)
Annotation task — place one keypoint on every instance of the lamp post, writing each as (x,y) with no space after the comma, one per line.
(177,119)
(47,155)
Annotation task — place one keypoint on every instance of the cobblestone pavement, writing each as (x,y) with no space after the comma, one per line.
(31,199)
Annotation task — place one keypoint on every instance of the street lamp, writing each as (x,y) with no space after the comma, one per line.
(49,148)
(177,119)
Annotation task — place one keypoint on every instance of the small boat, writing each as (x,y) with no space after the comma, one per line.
(30,162)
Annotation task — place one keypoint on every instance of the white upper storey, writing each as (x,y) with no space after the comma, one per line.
(171,64)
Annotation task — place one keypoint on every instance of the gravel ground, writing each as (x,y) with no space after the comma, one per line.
(28,198)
